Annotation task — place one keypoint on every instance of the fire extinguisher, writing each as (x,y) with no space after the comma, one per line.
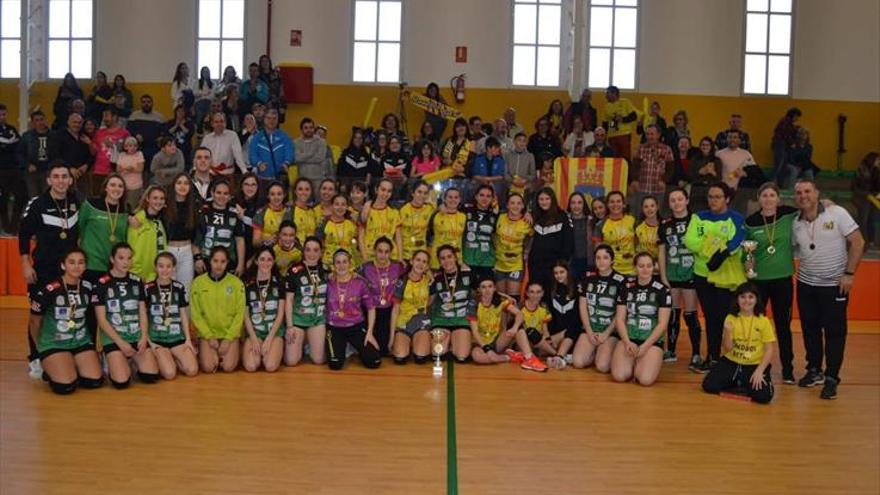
(457,84)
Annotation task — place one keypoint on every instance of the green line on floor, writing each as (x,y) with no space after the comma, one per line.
(451,452)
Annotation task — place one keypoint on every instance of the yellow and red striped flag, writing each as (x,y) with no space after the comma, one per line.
(592,177)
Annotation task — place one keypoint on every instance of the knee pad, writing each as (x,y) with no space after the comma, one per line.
(401,360)
(420,359)
(148,377)
(86,382)
(534,335)
(62,388)
(120,385)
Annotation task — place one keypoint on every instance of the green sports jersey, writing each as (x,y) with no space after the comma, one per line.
(679,259)
(95,237)
(164,320)
(263,299)
(603,294)
(219,228)
(643,304)
(63,308)
(451,295)
(478,247)
(777,261)
(309,288)
(121,298)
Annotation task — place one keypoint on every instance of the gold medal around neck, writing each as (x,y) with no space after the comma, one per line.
(112,238)
(71,324)
(383,301)
(63,234)
(167,322)
(771,249)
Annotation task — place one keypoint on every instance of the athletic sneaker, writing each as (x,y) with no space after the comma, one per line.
(696,362)
(569,359)
(706,366)
(35,369)
(670,357)
(829,389)
(788,377)
(812,378)
(533,364)
(515,356)
(556,362)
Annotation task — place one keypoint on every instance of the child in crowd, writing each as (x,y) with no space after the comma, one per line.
(130,165)
(426,161)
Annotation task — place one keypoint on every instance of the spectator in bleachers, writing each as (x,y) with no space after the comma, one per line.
(681,172)
(12,187)
(248,130)
(120,88)
(272,152)
(437,122)
(271,75)
(146,113)
(181,87)
(489,169)
(232,107)
(379,147)
(600,147)
(201,174)
(130,166)
(652,167)
(355,164)
(118,104)
(167,163)
(734,160)
(425,161)
(800,159)
(396,165)
(206,125)
(34,153)
(203,93)
(784,136)
(427,133)
(555,114)
(475,128)
(72,148)
(68,91)
(253,90)
(654,118)
(146,126)
(513,127)
(108,143)
(230,79)
(678,130)
(225,147)
(334,149)
(735,125)
(577,140)
(100,97)
(499,132)
(620,121)
(313,159)
(582,108)
(866,196)
(704,169)
(181,129)
(391,126)
(457,152)
(520,167)
(544,141)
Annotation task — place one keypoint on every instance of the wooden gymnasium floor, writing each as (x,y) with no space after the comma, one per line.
(395,430)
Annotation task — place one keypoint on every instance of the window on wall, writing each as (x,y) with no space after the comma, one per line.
(767,47)
(613,43)
(70,38)
(10,38)
(376,52)
(537,31)
(220,37)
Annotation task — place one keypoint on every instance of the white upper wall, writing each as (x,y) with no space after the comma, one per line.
(686,46)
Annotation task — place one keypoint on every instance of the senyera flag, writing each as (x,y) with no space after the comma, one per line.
(592,177)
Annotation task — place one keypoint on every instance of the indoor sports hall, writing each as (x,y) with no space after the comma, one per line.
(439,246)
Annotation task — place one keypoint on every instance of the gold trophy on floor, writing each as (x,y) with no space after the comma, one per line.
(750,247)
(437,350)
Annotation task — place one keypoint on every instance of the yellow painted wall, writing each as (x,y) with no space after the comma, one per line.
(341,106)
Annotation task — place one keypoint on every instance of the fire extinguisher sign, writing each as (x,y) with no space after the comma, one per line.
(460,54)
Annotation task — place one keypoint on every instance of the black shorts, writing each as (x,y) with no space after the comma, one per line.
(689,284)
(451,328)
(640,342)
(481,272)
(535,336)
(83,348)
(167,345)
(111,347)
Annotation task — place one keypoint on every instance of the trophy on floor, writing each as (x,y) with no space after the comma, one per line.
(437,350)
(749,247)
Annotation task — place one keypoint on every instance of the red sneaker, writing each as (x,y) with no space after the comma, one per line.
(515,356)
(533,364)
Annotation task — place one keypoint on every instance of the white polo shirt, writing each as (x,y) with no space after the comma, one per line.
(821,245)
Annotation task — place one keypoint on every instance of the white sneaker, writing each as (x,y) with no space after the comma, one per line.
(556,362)
(35,369)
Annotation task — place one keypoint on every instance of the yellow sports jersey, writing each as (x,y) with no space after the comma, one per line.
(414,228)
(448,229)
(646,239)
(305,221)
(490,319)
(341,235)
(620,235)
(382,223)
(285,258)
(621,108)
(750,333)
(412,297)
(268,221)
(535,318)
(510,237)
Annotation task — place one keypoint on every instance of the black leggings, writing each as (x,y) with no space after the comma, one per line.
(382,329)
(780,293)
(338,337)
(715,302)
(728,375)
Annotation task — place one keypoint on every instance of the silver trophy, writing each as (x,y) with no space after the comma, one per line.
(750,247)
(437,350)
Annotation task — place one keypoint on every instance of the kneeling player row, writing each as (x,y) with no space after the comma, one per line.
(617,324)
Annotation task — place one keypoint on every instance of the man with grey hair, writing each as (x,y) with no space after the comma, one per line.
(829,244)
(225,147)
(499,132)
